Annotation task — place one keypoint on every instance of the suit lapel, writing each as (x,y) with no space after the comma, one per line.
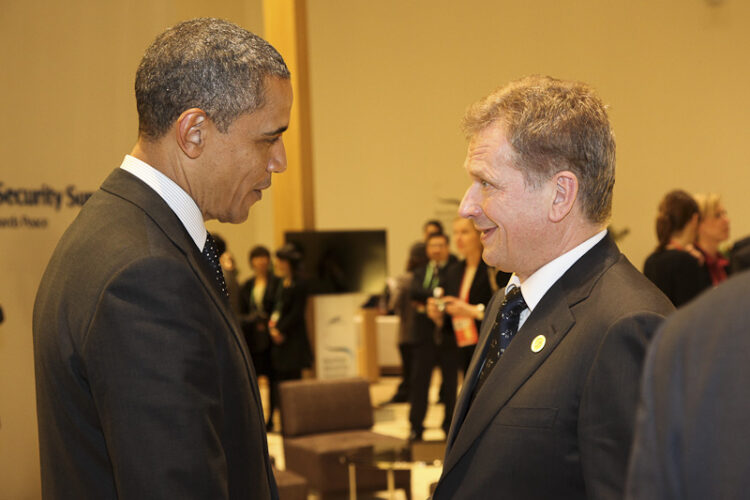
(552,318)
(127,186)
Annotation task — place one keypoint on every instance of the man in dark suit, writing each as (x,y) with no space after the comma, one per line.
(144,385)
(429,347)
(692,437)
(548,404)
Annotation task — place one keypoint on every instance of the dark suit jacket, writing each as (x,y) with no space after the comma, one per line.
(424,327)
(692,436)
(558,423)
(144,386)
(254,320)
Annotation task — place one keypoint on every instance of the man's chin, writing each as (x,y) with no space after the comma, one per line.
(491,258)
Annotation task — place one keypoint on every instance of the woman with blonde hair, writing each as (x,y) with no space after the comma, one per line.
(713,229)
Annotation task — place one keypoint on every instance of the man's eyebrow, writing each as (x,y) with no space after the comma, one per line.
(278,131)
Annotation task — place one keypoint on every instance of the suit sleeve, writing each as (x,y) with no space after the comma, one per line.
(651,473)
(152,364)
(609,402)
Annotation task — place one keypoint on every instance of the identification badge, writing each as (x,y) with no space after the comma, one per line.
(466,330)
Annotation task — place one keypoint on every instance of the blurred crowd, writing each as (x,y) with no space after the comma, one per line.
(692,254)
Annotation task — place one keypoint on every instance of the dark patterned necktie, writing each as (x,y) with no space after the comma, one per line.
(211,253)
(505,327)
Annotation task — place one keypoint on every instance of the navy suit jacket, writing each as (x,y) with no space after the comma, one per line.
(144,385)
(558,423)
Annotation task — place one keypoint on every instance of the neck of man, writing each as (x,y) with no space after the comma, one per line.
(558,241)
(167,161)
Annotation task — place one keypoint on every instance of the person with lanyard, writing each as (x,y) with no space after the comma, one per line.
(468,288)
(676,267)
(429,347)
(713,230)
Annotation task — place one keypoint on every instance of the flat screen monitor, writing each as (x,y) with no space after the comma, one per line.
(342,261)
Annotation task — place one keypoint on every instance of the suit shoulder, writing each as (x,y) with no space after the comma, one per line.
(623,288)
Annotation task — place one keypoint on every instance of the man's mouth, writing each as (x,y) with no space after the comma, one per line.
(486,233)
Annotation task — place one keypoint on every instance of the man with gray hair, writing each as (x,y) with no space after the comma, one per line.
(547,407)
(145,388)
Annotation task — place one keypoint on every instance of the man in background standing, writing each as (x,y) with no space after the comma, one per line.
(145,388)
(429,347)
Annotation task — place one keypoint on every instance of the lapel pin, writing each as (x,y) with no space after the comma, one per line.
(538,343)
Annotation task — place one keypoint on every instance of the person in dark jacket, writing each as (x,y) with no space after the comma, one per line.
(429,348)
(290,347)
(675,266)
(402,305)
(257,300)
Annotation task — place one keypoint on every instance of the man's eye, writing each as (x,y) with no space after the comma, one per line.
(484,184)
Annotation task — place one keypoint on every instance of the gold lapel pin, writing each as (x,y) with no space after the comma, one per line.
(538,343)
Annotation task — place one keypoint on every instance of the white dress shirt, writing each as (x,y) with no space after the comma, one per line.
(536,285)
(178,200)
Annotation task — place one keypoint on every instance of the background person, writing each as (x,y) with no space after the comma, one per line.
(144,384)
(675,266)
(431,348)
(257,299)
(290,347)
(432,226)
(713,230)
(402,305)
(467,291)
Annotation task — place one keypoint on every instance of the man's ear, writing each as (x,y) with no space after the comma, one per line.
(191,132)
(566,192)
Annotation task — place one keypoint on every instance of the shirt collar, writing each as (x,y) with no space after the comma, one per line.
(536,285)
(178,200)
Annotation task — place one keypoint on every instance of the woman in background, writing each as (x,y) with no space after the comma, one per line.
(257,299)
(467,290)
(290,347)
(712,231)
(675,266)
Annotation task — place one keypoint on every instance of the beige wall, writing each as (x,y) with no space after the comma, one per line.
(391,80)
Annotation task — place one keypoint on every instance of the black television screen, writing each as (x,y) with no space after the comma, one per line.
(342,261)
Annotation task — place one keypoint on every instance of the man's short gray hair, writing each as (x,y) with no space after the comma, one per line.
(554,125)
(204,63)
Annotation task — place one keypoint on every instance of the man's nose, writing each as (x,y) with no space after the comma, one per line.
(468,207)
(277,162)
